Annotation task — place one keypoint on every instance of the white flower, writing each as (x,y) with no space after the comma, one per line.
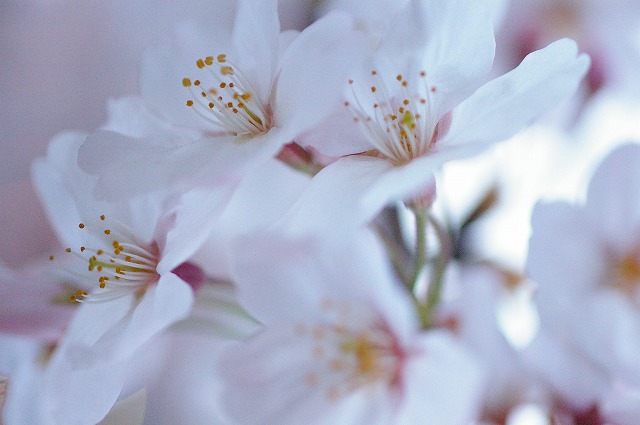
(248,101)
(131,260)
(586,259)
(341,343)
(423,103)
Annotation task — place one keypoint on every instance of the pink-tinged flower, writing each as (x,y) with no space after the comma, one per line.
(586,260)
(492,313)
(423,102)
(30,303)
(340,344)
(248,100)
(607,31)
(130,262)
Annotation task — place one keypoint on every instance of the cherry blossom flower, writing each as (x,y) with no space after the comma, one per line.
(132,260)
(422,105)
(249,101)
(585,260)
(341,343)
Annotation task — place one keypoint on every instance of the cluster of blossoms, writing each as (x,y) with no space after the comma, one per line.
(261,236)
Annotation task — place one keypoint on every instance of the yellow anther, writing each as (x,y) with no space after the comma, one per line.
(226,70)
(222,58)
(81,225)
(200,63)
(196,83)
(208,60)
(186,82)
(68,249)
(189,102)
(107,231)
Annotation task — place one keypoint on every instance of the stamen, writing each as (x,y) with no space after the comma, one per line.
(235,108)
(399,127)
(351,349)
(123,268)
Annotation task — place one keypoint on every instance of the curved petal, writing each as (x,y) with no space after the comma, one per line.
(90,366)
(561,246)
(166,303)
(63,189)
(442,382)
(459,50)
(503,106)
(129,411)
(352,190)
(129,167)
(337,135)
(27,307)
(313,72)
(264,381)
(613,198)
(195,216)
(163,69)
(353,269)
(256,34)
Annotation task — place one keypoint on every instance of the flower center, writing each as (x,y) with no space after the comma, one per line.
(348,356)
(123,266)
(399,127)
(229,101)
(626,277)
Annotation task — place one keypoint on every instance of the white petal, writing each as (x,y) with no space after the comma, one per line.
(571,374)
(352,270)
(166,303)
(460,48)
(195,216)
(90,366)
(314,71)
(256,35)
(136,166)
(163,69)
(564,253)
(352,190)
(503,106)
(443,383)
(613,198)
(129,411)
(337,135)
(266,381)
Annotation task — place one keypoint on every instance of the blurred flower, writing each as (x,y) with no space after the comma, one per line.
(585,259)
(341,343)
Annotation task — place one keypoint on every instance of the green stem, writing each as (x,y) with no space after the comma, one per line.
(420,259)
(436,280)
